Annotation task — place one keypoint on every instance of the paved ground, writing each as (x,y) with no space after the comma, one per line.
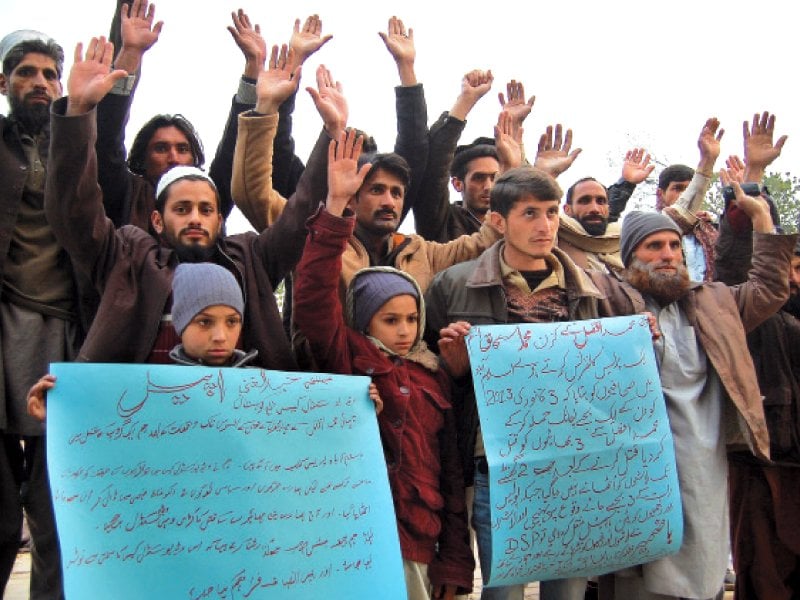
(18,586)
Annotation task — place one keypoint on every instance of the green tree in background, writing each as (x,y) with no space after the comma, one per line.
(784,189)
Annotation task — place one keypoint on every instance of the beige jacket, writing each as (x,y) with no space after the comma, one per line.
(251,184)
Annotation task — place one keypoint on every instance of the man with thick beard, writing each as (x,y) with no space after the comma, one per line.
(39,312)
(709,382)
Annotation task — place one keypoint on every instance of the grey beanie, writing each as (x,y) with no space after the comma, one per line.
(373,289)
(196,286)
(637,225)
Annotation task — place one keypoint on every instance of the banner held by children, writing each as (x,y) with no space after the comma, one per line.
(193,482)
(581,460)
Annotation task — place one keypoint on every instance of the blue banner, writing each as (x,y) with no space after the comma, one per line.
(581,459)
(193,482)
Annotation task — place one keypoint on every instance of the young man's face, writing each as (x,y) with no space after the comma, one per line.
(191,218)
(33,85)
(530,231)
(168,147)
(395,324)
(673,192)
(794,276)
(477,184)
(212,334)
(589,207)
(379,204)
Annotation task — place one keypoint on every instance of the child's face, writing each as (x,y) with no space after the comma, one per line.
(212,334)
(395,324)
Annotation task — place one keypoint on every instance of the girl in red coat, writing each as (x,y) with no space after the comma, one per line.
(379,335)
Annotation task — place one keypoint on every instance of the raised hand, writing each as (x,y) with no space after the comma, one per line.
(344,175)
(754,207)
(248,37)
(508,141)
(553,154)
(277,82)
(636,167)
(91,78)
(307,40)
(709,145)
(137,32)
(474,86)
(400,44)
(330,102)
(736,168)
(516,106)
(453,348)
(759,149)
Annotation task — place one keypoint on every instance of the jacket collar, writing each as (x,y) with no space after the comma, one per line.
(487,273)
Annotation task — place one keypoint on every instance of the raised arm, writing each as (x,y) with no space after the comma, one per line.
(412,111)
(508,141)
(251,184)
(400,44)
(516,106)
(691,199)
(287,167)
(317,309)
(431,213)
(73,199)
(553,154)
(247,37)
(759,149)
(137,32)
(282,243)
(636,168)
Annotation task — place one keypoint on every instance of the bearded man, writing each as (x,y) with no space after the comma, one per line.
(39,308)
(710,388)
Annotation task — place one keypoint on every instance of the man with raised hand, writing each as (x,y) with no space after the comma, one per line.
(165,140)
(132,269)
(710,387)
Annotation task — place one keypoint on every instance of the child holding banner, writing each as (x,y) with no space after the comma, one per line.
(380,336)
(207,310)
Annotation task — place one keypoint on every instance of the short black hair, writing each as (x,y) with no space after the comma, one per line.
(674,173)
(481,147)
(18,52)
(390,162)
(571,189)
(138,153)
(161,200)
(512,185)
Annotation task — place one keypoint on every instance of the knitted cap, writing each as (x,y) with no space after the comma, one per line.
(179,172)
(636,226)
(196,286)
(15,38)
(373,289)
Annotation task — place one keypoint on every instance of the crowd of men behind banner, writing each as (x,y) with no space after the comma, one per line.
(119,255)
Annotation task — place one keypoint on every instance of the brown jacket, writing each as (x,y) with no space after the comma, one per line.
(721,315)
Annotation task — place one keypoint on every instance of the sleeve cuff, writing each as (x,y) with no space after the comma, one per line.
(124,86)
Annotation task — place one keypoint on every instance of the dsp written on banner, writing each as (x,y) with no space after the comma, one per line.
(582,476)
(193,482)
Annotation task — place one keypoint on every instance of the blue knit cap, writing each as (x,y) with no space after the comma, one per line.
(197,286)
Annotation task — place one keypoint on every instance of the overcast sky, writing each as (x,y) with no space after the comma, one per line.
(619,73)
